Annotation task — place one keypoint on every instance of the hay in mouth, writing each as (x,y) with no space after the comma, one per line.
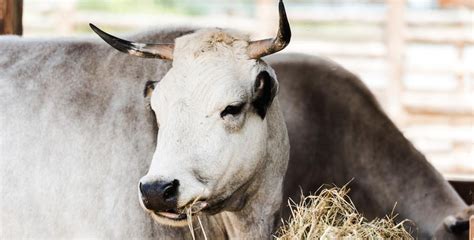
(192,209)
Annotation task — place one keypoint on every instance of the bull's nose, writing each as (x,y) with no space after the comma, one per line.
(159,195)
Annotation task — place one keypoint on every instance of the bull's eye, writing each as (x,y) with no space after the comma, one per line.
(232,110)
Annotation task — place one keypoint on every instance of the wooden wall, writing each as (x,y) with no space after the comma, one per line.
(456,3)
(11,17)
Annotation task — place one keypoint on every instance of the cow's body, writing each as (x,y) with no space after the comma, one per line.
(76,136)
(349,137)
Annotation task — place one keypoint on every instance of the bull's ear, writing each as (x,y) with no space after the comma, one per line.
(149,87)
(265,89)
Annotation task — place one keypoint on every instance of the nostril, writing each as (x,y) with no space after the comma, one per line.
(175,183)
(141,189)
(170,190)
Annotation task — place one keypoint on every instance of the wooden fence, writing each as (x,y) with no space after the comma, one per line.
(440,122)
(403,28)
(11,17)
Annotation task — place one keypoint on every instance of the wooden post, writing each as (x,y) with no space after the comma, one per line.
(11,17)
(65,15)
(267,17)
(2,15)
(462,77)
(471,228)
(395,42)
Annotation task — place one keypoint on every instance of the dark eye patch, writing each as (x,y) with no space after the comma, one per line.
(232,109)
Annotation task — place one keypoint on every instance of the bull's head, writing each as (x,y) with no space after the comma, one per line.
(220,129)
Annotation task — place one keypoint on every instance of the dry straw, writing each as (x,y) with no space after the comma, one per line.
(193,209)
(332,215)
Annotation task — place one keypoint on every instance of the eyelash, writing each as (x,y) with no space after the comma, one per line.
(232,110)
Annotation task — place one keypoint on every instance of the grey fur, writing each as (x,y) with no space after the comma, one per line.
(76,136)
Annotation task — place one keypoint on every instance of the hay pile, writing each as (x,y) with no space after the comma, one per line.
(332,215)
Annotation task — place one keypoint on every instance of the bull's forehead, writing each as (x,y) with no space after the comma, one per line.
(210,43)
(210,68)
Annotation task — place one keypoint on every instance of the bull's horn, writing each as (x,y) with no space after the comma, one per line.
(260,48)
(146,50)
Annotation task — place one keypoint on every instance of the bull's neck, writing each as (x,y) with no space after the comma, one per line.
(258,218)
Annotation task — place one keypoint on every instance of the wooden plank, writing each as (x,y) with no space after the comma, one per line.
(2,14)
(395,32)
(11,17)
(416,102)
(471,228)
(456,3)
(267,17)
(413,18)
(440,38)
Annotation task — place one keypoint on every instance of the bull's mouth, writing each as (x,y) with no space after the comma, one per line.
(172,214)
(179,217)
